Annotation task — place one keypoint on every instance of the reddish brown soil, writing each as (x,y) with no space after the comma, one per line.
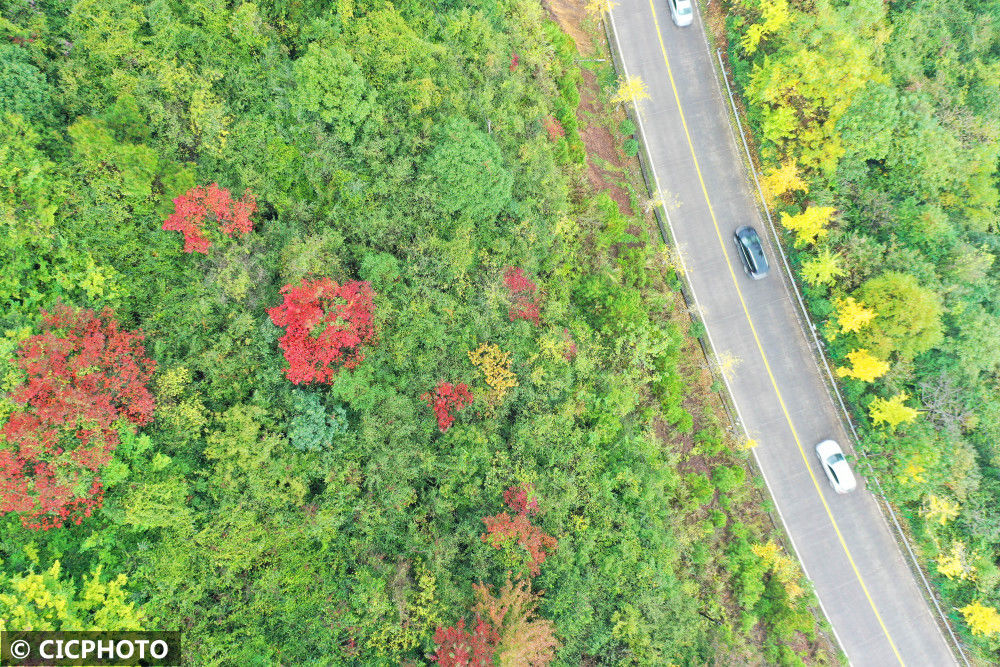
(570,15)
(599,142)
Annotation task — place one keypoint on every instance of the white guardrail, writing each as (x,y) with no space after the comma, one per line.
(822,355)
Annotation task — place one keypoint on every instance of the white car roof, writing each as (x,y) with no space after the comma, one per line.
(845,475)
(828,447)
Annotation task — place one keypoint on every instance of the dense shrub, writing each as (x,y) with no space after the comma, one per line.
(404,145)
(631,147)
(727,478)
(312,428)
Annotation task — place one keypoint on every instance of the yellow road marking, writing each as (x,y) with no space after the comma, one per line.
(753,330)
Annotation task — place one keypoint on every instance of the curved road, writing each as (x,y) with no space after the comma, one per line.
(845,546)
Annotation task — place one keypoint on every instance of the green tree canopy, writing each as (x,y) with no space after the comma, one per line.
(909,316)
(867,125)
(465,173)
(975,344)
(925,155)
(23,88)
(330,85)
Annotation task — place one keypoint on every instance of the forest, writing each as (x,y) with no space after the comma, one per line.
(879,137)
(319,346)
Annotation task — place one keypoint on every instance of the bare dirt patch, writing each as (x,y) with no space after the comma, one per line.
(571,15)
(600,143)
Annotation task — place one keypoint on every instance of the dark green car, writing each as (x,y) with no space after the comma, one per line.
(751,252)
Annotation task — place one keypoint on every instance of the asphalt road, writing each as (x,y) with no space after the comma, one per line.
(843,542)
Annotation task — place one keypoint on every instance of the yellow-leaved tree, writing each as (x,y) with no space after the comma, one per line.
(495,366)
(940,509)
(47,601)
(810,225)
(864,366)
(597,8)
(632,89)
(851,315)
(778,181)
(783,568)
(804,89)
(982,620)
(913,471)
(774,16)
(957,563)
(892,412)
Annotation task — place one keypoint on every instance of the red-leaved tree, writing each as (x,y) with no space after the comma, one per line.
(521,499)
(570,352)
(523,639)
(554,128)
(325,326)
(457,647)
(507,630)
(504,530)
(195,206)
(445,400)
(83,373)
(524,302)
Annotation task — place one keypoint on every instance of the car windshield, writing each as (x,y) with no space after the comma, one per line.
(836,458)
(683,10)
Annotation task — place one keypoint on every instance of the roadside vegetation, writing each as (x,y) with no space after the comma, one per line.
(320,345)
(879,141)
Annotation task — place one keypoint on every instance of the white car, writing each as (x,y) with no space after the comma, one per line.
(681,12)
(832,457)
